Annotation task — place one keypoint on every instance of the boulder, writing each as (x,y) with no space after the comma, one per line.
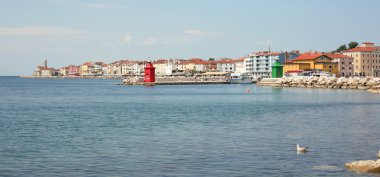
(363,87)
(363,81)
(366,166)
(345,80)
(371,83)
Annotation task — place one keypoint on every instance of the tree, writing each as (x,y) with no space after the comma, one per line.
(352,45)
(211,59)
(341,48)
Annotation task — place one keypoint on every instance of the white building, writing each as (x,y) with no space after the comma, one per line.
(226,65)
(260,63)
(240,66)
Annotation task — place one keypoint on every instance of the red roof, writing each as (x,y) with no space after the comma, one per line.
(337,55)
(368,43)
(361,49)
(308,56)
(240,59)
(87,63)
(226,61)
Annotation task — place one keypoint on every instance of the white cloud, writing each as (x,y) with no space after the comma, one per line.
(103,6)
(150,41)
(197,32)
(128,39)
(38,31)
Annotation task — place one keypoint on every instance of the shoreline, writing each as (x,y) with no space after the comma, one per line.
(370,84)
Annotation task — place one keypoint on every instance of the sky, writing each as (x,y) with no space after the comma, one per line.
(68,32)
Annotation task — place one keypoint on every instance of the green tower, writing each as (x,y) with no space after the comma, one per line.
(277,70)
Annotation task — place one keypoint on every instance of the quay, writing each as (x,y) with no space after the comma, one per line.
(177,81)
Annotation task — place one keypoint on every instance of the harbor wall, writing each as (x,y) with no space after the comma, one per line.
(371,84)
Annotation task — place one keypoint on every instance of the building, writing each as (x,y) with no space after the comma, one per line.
(64,71)
(240,65)
(366,59)
(226,65)
(45,71)
(160,66)
(138,67)
(86,69)
(73,70)
(285,56)
(345,64)
(260,63)
(115,68)
(201,66)
(311,61)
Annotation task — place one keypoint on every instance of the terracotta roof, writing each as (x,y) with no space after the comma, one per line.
(337,55)
(368,43)
(240,59)
(196,59)
(361,49)
(88,63)
(226,61)
(200,62)
(308,56)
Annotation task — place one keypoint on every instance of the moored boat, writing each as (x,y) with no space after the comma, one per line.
(238,78)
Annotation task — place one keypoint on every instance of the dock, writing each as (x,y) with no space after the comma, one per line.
(178,81)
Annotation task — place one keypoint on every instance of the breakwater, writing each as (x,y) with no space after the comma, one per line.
(177,80)
(371,84)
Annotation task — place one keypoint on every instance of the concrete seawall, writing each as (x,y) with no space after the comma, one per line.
(177,81)
(371,84)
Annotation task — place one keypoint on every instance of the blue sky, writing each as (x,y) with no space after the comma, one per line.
(74,31)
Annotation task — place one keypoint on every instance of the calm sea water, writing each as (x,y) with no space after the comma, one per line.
(54,127)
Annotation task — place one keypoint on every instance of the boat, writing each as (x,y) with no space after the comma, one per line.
(238,78)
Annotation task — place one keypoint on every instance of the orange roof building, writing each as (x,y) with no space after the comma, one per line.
(366,59)
(312,61)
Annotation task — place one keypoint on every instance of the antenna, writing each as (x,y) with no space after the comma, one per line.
(269,47)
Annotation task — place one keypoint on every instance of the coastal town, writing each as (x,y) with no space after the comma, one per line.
(356,60)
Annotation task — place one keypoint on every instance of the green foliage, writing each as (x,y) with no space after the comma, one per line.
(341,48)
(352,45)
(211,59)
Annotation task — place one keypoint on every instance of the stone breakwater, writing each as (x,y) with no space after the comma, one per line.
(371,84)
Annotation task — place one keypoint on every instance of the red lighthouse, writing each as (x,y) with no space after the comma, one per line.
(149,75)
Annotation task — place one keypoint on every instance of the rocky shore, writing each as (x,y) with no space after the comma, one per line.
(371,84)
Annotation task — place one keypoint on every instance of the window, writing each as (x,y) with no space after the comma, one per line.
(342,62)
(342,68)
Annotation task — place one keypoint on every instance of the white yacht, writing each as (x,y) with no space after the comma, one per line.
(238,78)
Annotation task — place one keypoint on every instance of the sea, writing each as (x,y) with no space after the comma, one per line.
(95,127)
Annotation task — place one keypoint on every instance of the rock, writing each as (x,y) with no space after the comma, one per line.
(374,89)
(363,81)
(363,87)
(371,83)
(366,166)
(345,80)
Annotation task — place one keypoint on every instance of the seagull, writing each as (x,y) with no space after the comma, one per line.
(301,149)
